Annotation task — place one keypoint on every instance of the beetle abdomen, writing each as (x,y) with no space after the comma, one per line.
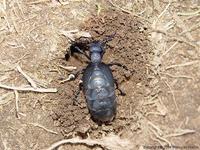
(100,92)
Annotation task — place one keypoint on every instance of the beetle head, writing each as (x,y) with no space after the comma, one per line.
(96,47)
(99,46)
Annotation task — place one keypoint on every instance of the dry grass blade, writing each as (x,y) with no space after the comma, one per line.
(33,84)
(127,11)
(169,49)
(173,96)
(4,4)
(189,13)
(157,140)
(178,39)
(5,16)
(183,40)
(181,24)
(196,26)
(156,4)
(40,90)
(161,108)
(124,10)
(192,28)
(181,132)
(39,1)
(159,131)
(68,68)
(151,101)
(2,78)
(177,76)
(161,14)
(5,98)
(44,128)
(16,103)
(160,137)
(112,142)
(182,65)
(4,142)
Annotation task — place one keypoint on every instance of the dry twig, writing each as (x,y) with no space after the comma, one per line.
(181,24)
(44,128)
(33,84)
(161,14)
(111,142)
(173,96)
(177,76)
(161,108)
(153,100)
(68,68)
(40,90)
(4,142)
(180,132)
(5,15)
(192,28)
(169,49)
(160,138)
(38,2)
(177,39)
(189,13)
(156,4)
(127,11)
(157,140)
(5,98)
(180,38)
(160,132)
(2,78)
(17,103)
(182,65)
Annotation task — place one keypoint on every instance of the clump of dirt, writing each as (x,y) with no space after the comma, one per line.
(130,47)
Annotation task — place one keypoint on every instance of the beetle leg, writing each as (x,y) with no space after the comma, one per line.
(77,73)
(120,90)
(118,64)
(82,52)
(76,94)
(76,48)
(108,38)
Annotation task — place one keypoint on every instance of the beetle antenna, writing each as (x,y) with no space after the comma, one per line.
(82,52)
(108,38)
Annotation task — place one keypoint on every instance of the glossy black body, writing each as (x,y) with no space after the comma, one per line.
(98,87)
(98,82)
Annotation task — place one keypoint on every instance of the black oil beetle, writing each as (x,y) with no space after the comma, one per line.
(98,83)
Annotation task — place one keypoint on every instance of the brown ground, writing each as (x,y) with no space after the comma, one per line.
(157,41)
(128,35)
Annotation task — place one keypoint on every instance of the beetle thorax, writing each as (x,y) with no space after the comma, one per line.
(95,57)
